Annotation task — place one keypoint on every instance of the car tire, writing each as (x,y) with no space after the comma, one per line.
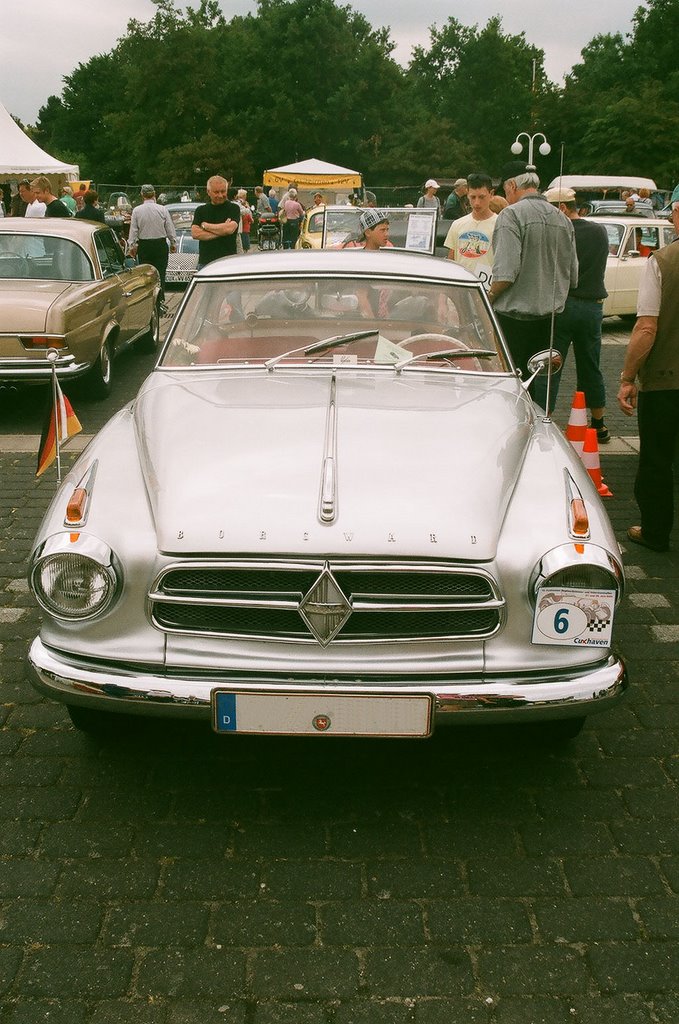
(99,378)
(150,341)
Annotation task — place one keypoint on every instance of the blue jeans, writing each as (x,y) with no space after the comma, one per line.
(580,323)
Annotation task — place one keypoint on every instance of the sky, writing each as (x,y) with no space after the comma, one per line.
(37,53)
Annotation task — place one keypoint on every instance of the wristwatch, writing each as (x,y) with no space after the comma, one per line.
(626,380)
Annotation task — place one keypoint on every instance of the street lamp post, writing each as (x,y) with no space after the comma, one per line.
(544,149)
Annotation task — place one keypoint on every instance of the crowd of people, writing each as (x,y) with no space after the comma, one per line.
(541,261)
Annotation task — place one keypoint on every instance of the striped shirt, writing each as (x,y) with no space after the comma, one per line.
(151,221)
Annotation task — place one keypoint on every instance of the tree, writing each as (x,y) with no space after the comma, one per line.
(485,109)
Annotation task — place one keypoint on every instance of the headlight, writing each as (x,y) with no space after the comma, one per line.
(74,579)
(590,568)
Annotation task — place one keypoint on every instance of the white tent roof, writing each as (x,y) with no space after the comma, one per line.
(20,156)
(313,174)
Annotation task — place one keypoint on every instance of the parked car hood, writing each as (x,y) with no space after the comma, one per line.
(426,463)
(24,304)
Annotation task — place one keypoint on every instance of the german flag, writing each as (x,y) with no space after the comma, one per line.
(60,424)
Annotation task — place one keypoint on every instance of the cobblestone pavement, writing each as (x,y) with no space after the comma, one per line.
(164,874)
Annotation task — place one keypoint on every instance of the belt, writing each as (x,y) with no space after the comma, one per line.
(582,298)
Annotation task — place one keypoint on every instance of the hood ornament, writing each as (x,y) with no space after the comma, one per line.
(324,608)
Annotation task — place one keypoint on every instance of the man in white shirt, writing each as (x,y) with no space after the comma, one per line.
(470,239)
(34,207)
(649,384)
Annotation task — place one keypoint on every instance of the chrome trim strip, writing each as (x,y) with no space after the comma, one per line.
(327,506)
(396,605)
(339,564)
(501,699)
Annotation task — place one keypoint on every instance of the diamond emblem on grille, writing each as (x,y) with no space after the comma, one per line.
(324,608)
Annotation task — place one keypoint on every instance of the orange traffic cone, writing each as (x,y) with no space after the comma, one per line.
(590,458)
(577,422)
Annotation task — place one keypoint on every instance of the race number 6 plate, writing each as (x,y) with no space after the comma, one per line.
(575,618)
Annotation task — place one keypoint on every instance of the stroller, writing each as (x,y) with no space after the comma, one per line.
(268,231)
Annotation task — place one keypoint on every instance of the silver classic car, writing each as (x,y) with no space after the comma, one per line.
(332,509)
(64,285)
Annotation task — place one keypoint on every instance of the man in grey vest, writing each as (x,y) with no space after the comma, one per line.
(652,357)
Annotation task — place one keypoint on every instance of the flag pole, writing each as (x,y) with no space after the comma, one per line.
(52,356)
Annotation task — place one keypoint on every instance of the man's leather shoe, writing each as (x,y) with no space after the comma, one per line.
(636,536)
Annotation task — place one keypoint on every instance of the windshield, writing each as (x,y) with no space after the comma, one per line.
(182,218)
(259,320)
(42,258)
(409,228)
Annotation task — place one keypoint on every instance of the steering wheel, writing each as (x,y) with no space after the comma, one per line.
(443,341)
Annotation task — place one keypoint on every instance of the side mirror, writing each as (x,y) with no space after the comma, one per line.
(547,361)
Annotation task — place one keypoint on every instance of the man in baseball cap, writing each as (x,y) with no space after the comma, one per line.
(457,204)
(430,199)
(375,228)
(151,228)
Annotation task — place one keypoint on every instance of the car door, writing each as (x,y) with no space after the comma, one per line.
(616,235)
(640,242)
(131,287)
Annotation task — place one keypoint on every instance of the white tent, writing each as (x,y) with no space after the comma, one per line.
(20,157)
(313,174)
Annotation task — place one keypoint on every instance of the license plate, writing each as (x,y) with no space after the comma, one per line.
(178,278)
(574,618)
(321,714)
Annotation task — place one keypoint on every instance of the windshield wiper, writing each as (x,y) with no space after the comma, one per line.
(319,346)
(462,353)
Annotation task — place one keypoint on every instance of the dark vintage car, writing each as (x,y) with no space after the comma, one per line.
(64,285)
(182,264)
(333,509)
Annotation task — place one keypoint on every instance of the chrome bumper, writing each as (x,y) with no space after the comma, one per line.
(502,699)
(36,370)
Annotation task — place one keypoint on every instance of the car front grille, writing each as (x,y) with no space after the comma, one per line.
(374,602)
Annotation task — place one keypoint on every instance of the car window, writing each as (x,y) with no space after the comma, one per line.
(316,222)
(615,234)
(667,234)
(109,252)
(38,257)
(643,240)
(375,320)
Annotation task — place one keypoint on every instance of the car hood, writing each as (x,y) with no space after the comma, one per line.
(425,462)
(24,304)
